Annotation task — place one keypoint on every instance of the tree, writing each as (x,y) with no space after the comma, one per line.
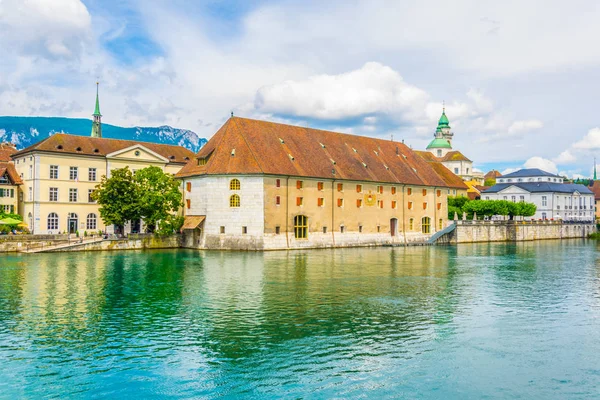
(160,196)
(489,182)
(119,198)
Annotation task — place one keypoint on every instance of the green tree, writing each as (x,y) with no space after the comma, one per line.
(119,198)
(489,182)
(160,196)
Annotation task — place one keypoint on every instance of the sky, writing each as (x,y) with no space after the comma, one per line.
(519,79)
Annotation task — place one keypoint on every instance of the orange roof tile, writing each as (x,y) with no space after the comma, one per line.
(596,189)
(73,144)
(6,150)
(247,146)
(13,176)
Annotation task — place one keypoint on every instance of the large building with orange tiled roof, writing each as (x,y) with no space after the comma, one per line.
(264,185)
(9,180)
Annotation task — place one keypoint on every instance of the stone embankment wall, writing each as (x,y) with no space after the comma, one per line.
(16,243)
(515,231)
(133,242)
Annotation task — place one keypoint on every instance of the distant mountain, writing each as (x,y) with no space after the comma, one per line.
(25,131)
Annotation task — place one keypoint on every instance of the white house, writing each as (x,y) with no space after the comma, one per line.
(553,198)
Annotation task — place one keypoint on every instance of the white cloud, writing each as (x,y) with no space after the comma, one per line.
(509,170)
(519,127)
(541,163)
(373,88)
(566,157)
(591,141)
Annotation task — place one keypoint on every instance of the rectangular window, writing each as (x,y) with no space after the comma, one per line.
(222,230)
(411,224)
(299,184)
(379,203)
(90,200)
(340,202)
(72,195)
(342,228)
(244,230)
(522,199)
(424,192)
(30,194)
(425,206)
(393,189)
(456,171)
(380,189)
(359,203)
(277,182)
(299,201)
(410,205)
(360,229)
(320,186)
(439,206)
(54,172)
(92,174)
(188,186)
(513,199)
(277,230)
(544,201)
(73,173)
(320,201)
(53,196)
(394,204)
(340,187)
(358,188)
(188,203)
(378,228)
(277,200)
(324,229)
(409,191)
(439,193)
(31,172)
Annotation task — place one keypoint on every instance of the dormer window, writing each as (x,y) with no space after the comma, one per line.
(96,151)
(59,147)
(78,149)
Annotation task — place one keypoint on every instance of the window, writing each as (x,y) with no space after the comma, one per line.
(277,230)
(222,230)
(409,191)
(202,161)
(340,187)
(92,175)
(300,227)
(299,184)
(73,173)
(4,179)
(426,225)
(91,222)
(244,230)
(320,201)
(439,193)
(188,203)
(324,229)
(441,224)
(72,195)
(411,224)
(544,215)
(425,206)
(359,203)
(299,201)
(234,184)
(380,189)
(424,192)
(467,170)
(522,199)
(394,204)
(358,188)
(456,171)
(234,201)
(393,189)
(513,199)
(188,186)
(410,205)
(439,153)
(544,201)
(277,182)
(505,198)
(53,195)
(378,228)
(52,221)
(340,203)
(277,200)
(90,192)
(439,206)
(54,172)
(320,186)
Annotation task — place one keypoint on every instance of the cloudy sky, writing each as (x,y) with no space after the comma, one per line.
(519,79)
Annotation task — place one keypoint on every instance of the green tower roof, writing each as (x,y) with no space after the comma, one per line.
(443,122)
(439,144)
(97,110)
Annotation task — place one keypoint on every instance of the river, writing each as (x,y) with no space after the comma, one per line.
(518,320)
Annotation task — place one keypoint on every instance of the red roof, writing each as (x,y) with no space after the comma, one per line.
(6,150)
(596,189)
(13,176)
(247,146)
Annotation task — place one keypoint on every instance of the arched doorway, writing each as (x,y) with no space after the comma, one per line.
(394,226)
(72,222)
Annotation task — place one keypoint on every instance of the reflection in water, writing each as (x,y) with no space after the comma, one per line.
(429,322)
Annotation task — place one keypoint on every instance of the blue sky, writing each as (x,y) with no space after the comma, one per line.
(519,79)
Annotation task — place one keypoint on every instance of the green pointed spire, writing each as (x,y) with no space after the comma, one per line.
(595,169)
(443,122)
(97,117)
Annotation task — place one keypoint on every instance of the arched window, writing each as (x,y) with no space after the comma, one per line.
(91,221)
(411,224)
(234,201)
(301,227)
(52,221)
(234,184)
(426,225)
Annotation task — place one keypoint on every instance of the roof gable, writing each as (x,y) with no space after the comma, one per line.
(137,152)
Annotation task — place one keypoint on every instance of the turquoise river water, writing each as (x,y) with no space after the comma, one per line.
(490,321)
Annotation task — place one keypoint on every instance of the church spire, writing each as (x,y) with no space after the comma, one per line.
(595,169)
(97,117)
